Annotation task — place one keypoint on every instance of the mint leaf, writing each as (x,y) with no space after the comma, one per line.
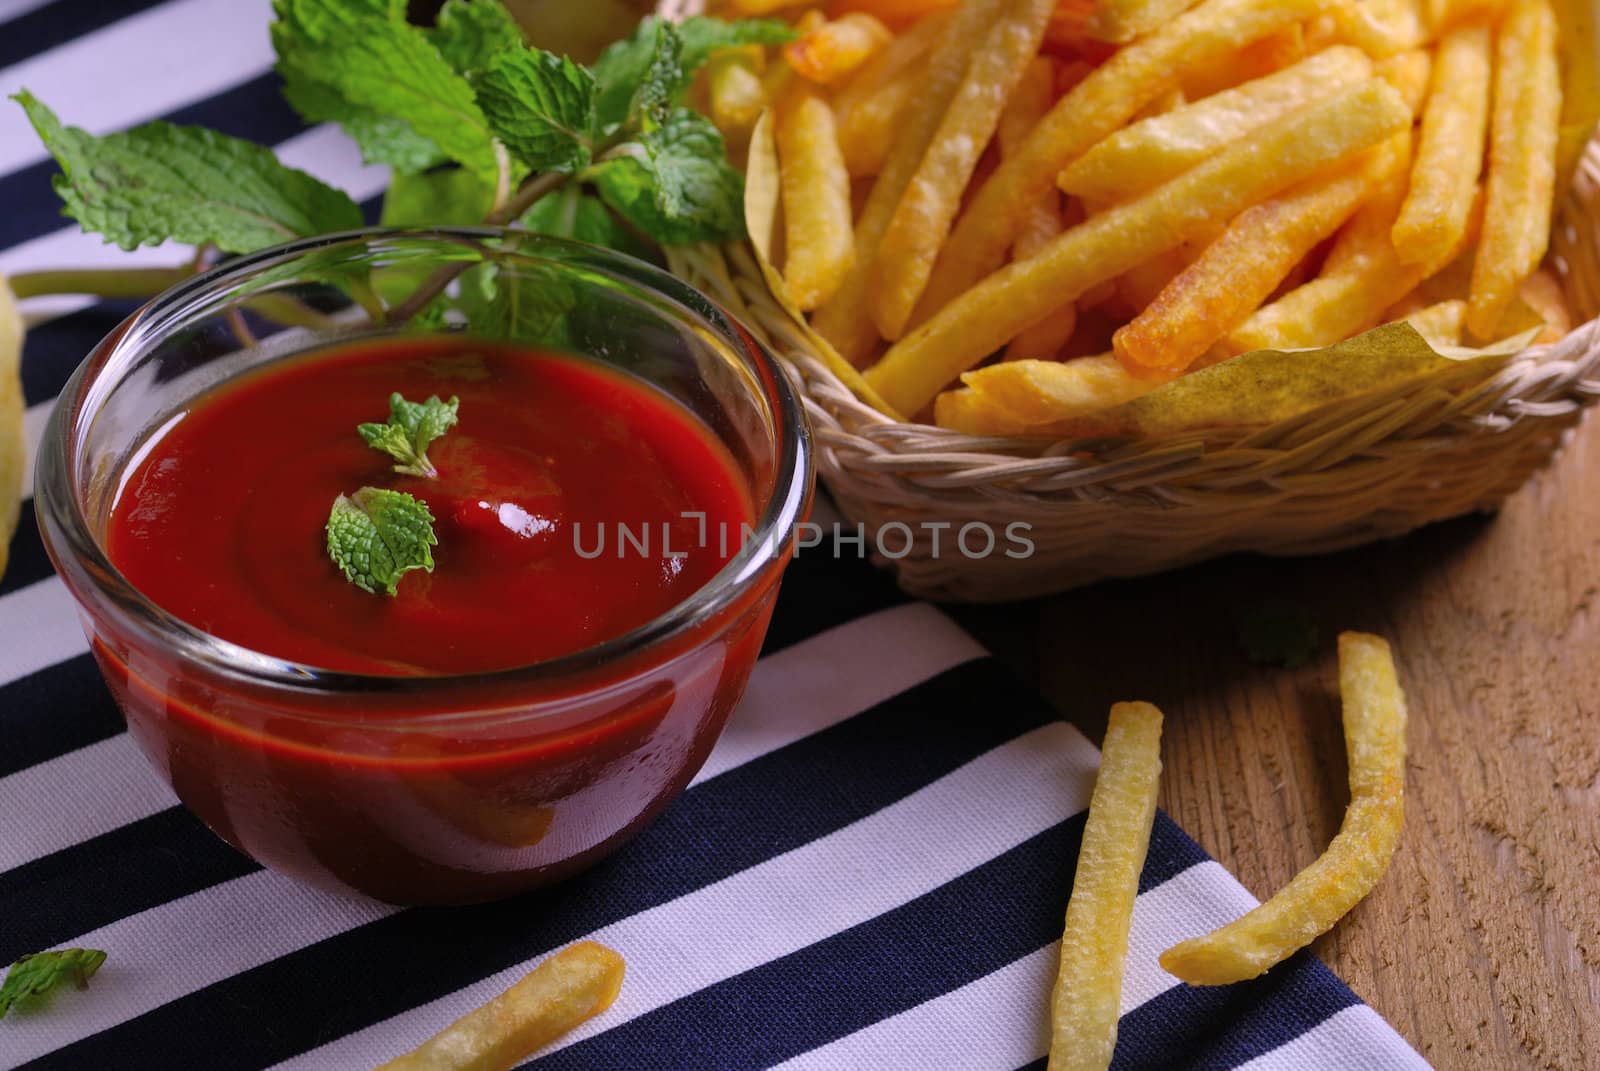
(663,79)
(677,185)
(572,213)
(525,303)
(541,106)
(469,33)
(383,139)
(411,427)
(376,536)
(624,64)
(357,63)
(159,181)
(447,197)
(33,976)
(1278,634)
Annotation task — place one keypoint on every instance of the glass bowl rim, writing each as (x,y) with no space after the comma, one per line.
(672,299)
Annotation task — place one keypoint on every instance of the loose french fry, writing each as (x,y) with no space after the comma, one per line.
(1324,892)
(1442,15)
(1143,156)
(845,321)
(895,13)
(575,984)
(736,91)
(1093,110)
(1123,20)
(816,197)
(1381,27)
(1522,161)
(869,105)
(933,196)
(835,50)
(982,319)
(1276,51)
(1043,392)
(1094,943)
(1237,272)
(761,7)
(1408,73)
(1454,123)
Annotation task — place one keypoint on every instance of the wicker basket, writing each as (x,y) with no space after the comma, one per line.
(1361,469)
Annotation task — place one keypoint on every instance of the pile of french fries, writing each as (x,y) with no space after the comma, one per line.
(1007,214)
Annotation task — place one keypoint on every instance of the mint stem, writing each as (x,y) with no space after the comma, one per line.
(98,282)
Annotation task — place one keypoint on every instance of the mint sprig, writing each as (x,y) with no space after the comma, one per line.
(410,429)
(32,977)
(376,536)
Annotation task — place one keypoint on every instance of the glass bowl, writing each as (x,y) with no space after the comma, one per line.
(427,789)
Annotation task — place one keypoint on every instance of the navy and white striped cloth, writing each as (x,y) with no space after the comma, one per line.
(870,872)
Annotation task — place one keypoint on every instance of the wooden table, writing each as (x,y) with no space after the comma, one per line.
(1482,943)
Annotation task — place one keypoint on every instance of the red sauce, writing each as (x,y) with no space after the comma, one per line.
(221,520)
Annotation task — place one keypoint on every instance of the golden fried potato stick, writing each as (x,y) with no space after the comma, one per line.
(1380,28)
(1439,324)
(922,219)
(1324,892)
(1445,173)
(1030,100)
(816,197)
(575,984)
(845,321)
(869,103)
(1542,292)
(984,318)
(964,411)
(1236,273)
(1143,156)
(1121,21)
(835,50)
(1442,15)
(1408,73)
(1093,110)
(1094,944)
(735,91)
(1043,392)
(1520,190)
(749,8)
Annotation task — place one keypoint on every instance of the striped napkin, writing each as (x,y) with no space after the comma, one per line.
(870,872)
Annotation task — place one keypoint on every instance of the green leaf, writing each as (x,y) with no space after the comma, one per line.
(365,65)
(376,536)
(677,185)
(159,181)
(382,139)
(447,197)
(572,213)
(1279,634)
(33,976)
(663,79)
(526,303)
(541,106)
(624,65)
(470,33)
(411,427)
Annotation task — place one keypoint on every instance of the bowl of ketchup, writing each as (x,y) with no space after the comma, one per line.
(493,683)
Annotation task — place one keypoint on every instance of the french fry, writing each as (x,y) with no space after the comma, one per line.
(748,8)
(1142,283)
(1290,150)
(1542,292)
(1123,20)
(1324,892)
(1043,392)
(575,984)
(816,197)
(897,13)
(835,50)
(1094,942)
(735,90)
(1093,110)
(1408,73)
(1382,28)
(845,321)
(1030,100)
(933,196)
(1442,15)
(1454,123)
(1143,156)
(965,411)
(1522,161)
(1440,324)
(1237,272)
(869,105)
(1267,55)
